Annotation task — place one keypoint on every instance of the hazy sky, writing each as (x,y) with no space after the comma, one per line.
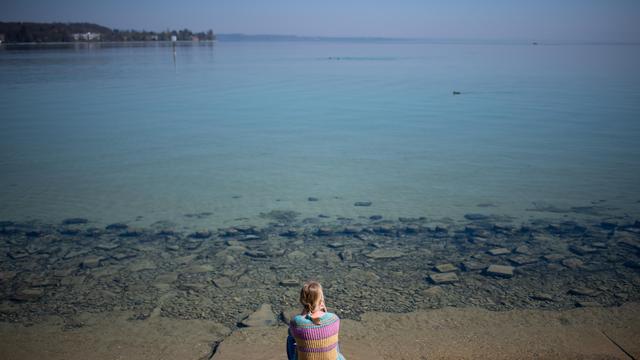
(597,20)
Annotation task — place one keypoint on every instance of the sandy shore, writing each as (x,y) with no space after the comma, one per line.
(449,333)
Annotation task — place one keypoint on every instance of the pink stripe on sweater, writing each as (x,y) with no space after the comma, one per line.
(318,333)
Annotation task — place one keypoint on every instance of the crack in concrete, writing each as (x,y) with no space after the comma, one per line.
(618,346)
(212,352)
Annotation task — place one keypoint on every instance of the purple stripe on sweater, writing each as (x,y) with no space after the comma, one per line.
(316,333)
(318,350)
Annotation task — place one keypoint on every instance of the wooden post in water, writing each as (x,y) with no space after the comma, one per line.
(173,43)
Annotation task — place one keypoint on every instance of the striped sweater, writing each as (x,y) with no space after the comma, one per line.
(308,341)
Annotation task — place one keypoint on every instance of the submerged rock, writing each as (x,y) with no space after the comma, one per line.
(142,265)
(572,263)
(477,217)
(202,234)
(223,282)
(499,251)
(444,278)
(74,221)
(288,314)
(296,255)
(444,268)
(289,283)
(434,291)
(91,262)
(385,254)
(583,291)
(521,260)
(256,253)
(172,247)
(262,317)
(542,297)
(473,266)
(324,231)
(27,294)
(132,233)
(196,269)
(500,270)
(107,246)
(362,203)
(582,249)
(117,226)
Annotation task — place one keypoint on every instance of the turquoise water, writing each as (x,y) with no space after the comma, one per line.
(119,133)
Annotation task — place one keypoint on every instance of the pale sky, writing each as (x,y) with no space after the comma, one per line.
(552,20)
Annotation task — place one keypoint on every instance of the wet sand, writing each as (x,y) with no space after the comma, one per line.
(447,333)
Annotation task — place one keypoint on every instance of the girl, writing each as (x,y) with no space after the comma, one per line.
(313,335)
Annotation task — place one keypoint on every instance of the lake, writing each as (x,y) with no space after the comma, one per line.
(226,131)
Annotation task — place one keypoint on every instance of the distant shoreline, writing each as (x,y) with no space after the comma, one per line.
(20,33)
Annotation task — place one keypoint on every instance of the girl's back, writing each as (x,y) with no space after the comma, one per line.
(315,340)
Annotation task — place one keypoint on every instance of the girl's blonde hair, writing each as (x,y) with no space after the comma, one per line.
(311,296)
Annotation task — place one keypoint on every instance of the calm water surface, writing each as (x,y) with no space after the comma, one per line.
(115,133)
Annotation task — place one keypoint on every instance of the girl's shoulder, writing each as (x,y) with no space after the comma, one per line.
(304,320)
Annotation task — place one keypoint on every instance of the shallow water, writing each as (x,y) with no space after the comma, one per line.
(235,129)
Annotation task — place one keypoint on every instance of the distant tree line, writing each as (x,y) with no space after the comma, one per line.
(16,32)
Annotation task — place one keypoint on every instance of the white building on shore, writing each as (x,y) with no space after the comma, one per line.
(89,36)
